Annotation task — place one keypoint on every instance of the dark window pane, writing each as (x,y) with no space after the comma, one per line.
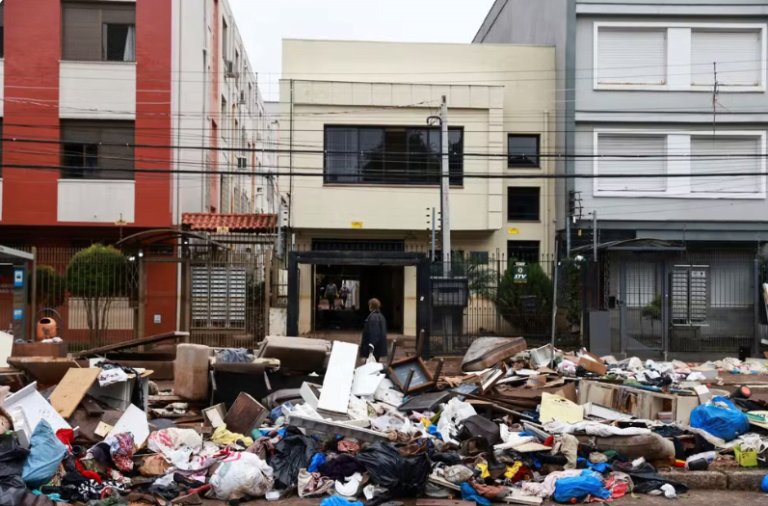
(479,257)
(523,150)
(97,149)
(341,158)
(523,203)
(119,42)
(98,32)
(390,155)
(2,42)
(523,251)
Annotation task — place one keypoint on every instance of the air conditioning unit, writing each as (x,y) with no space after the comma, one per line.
(242,162)
(229,69)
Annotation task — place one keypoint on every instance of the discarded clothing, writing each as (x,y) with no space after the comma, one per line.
(263,448)
(470,494)
(122,448)
(222,436)
(317,461)
(291,455)
(234,356)
(346,446)
(167,441)
(313,484)
(569,446)
(547,487)
(341,467)
(350,486)
(457,474)
(576,488)
(646,478)
(592,429)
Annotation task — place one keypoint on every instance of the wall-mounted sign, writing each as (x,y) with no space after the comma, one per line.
(18,314)
(521,273)
(514,231)
(357,224)
(18,278)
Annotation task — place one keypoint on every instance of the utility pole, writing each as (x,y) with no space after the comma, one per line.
(568,236)
(445,184)
(432,256)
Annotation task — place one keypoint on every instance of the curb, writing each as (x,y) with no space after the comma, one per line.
(718,480)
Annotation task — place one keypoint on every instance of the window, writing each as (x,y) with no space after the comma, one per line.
(98,32)
(523,203)
(703,163)
(478,257)
(224,39)
(523,150)
(736,55)
(680,56)
(97,149)
(723,155)
(632,56)
(523,251)
(390,155)
(613,159)
(223,117)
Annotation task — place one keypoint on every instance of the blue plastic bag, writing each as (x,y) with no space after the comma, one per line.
(578,487)
(727,423)
(470,494)
(764,485)
(317,462)
(337,500)
(46,453)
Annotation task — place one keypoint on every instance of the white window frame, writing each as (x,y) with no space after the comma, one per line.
(679,56)
(679,145)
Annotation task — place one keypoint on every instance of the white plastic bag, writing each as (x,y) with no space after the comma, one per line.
(243,474)
(454,413)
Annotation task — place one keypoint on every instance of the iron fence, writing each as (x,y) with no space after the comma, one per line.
(475,296)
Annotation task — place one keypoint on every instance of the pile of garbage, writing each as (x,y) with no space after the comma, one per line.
(516,426)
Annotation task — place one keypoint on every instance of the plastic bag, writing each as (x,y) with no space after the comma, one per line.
(291,455)
(243,474)
(720,418)
(453,414)
(45,455)
(336,500)
(470,494)
(403,477)
(576,488)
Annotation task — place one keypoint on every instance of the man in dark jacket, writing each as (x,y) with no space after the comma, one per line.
(374,332)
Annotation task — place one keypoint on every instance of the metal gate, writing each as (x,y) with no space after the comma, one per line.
(642,309)
(228,301)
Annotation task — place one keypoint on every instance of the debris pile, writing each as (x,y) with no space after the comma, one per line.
(303,416)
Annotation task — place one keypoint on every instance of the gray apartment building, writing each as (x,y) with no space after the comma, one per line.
(672,95)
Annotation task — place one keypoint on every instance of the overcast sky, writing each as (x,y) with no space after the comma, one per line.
(264,23)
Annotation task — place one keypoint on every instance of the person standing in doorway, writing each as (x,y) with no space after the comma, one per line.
(344,294)
(374,333)
(331,292)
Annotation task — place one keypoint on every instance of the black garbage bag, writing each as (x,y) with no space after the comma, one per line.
(12,457)
(402,476)
(291,454)
(646,478)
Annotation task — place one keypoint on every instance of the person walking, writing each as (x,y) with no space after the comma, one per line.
(374,333)
(344,294)
(331,292)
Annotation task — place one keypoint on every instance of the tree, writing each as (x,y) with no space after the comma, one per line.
(530,303)
(50,288)
(97,275)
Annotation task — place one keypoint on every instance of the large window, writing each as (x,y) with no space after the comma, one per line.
(680,56)
(102,31)
(97,149)
(390,155)
(523,203)
(523,150)
(703,164)
(2,30)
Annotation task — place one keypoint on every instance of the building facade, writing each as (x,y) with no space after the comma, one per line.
(673,94)
(354,120)
(116,117)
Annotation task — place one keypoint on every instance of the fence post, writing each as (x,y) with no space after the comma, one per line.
(32,335)
(267,289)
(758,304)
(142,309)
(498,286)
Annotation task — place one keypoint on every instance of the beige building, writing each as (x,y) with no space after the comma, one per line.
(357,114)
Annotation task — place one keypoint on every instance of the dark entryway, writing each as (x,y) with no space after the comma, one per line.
(380,274)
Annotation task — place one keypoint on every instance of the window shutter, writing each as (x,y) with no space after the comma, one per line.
(737,54)
(717,155)
(81,32)
(616,145)
(631,56)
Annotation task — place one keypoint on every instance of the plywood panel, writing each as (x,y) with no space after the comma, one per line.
(71,390)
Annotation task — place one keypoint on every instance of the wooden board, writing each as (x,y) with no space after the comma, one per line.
(245,415)
(71,390)
(131,344)
(337,384)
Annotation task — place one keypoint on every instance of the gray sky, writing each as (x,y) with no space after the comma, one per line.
(264,23)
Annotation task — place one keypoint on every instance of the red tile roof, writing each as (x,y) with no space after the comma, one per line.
(210,222)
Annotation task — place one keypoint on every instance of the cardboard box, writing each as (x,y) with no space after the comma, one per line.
(592,366)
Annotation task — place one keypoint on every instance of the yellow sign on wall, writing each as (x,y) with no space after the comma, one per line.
(514,231)
(357,224)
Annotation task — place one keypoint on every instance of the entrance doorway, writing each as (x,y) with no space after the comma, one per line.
(341,294)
